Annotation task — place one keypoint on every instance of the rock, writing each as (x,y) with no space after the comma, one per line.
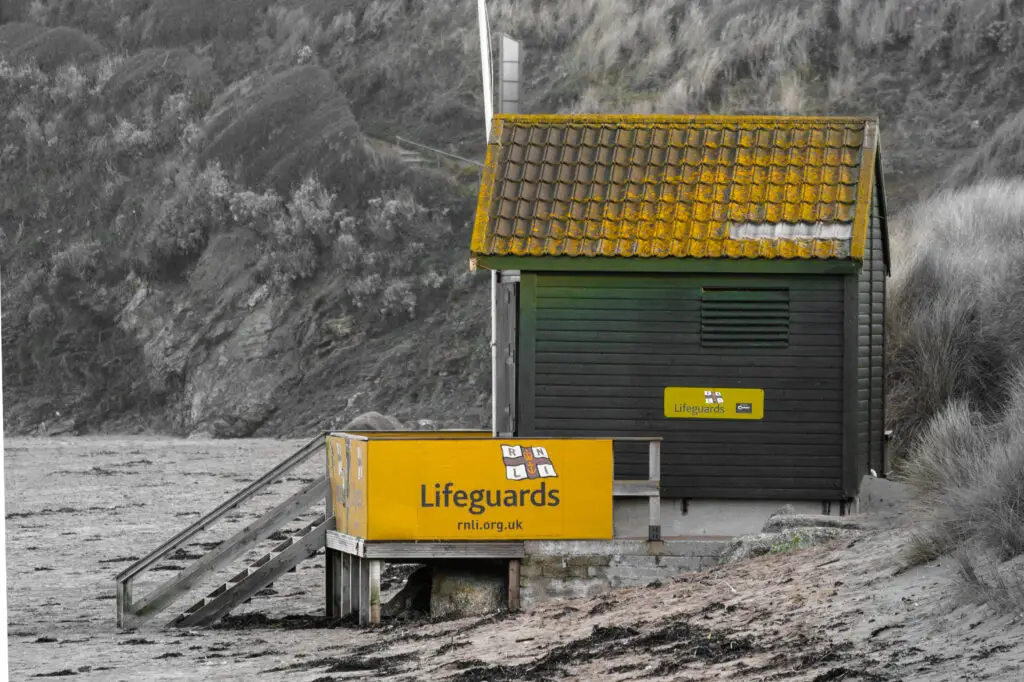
(750,546)
(784,510)
(413,599)
(774,524)
(459,593)
(374,421)
(61,427)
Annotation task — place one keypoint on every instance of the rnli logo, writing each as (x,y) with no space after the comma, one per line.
(527,463)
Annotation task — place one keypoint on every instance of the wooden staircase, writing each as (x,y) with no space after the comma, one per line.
(253,578)
(411,158)
(240,588)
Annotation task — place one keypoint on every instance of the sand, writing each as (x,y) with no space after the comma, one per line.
(79,510)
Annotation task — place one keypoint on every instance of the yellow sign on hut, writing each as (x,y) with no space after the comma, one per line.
(469,486)
(683,402)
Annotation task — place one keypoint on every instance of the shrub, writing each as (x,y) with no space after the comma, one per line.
(394,257)
(295,123)
(184,222)
(182,22)
(56,47)
(295,238)
(146,79)
(955,305)
(15,35)
(967,474)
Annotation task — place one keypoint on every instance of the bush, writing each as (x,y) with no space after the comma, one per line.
(146,79)
(967,474)
(955,306)
(295,123)
(182,22)
(185,221)
(296,237)
(56,47)
(15,35)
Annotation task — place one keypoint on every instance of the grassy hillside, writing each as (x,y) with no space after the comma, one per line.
(202,230)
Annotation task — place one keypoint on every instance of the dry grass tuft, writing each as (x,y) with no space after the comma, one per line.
(1001,155)
(956,368)
(968,477)
(954,306)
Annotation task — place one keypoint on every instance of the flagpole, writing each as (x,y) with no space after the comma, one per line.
(485,71)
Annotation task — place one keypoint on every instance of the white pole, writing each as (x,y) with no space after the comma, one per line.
(485,69)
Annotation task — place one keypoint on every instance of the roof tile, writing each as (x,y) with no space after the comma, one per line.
(670,186)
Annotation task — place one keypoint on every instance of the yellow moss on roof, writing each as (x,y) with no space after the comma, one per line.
(676,186)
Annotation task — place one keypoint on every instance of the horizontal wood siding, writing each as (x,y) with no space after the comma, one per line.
(876,448)
(605,347)
(871,349)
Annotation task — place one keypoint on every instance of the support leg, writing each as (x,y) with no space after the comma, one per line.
(364,591)
(124,602)
(333,578)
(374,579)
(513,585)
(349,574)
(654,502)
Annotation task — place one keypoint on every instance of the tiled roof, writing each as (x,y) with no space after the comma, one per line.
(676,186)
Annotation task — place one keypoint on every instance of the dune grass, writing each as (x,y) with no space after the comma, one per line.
(956,375)
(954,306)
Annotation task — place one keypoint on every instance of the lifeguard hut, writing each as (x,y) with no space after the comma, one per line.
(715,280)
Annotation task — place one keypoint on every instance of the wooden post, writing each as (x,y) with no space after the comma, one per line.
(124,601)
(513,585)
(654,501)
(334,576)
(332,561)
(364,590)
(374,579)
(349,574)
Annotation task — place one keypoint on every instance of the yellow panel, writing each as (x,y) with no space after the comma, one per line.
(495,489)
(339,484)
(687,402)
(358,479)
(346,461)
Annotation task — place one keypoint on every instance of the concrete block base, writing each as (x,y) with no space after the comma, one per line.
(694,532)
(570,569)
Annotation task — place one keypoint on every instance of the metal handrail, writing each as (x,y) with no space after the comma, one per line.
(125,577)
(401,139)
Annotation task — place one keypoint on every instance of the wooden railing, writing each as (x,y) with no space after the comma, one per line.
(455,157)
(131,612)
(651,488)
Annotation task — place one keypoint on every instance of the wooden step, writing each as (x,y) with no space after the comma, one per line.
(264,571)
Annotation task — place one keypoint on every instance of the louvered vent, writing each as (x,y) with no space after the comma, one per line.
(744,318)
